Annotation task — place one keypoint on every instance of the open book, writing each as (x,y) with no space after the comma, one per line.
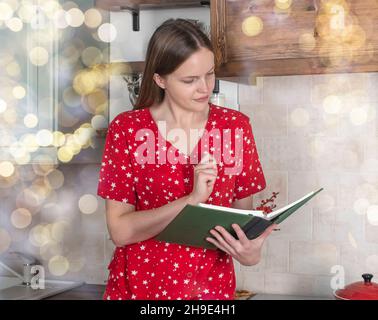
(192,225)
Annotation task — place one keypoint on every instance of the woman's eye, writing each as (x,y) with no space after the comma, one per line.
(188,81)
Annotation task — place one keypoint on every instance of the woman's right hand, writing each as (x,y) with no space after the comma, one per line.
(205,175)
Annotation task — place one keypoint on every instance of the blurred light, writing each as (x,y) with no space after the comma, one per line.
(3,105)
(307,42)
(50,249)
(358,116)
(21,218)
(96,102)
(317,148)
(29,141)
(61,19)
(10,116)
(13,69)
(107,32)
(88,204)
(14,24)
(6,169)
(76,17)
(93,18)
(65,154)
(58,229)
(71,98)
(50,8)
(372,215)
(26,12)
(283,4)
(19,92)
(44,137)
(85,82)
(300,117)
(39,235)
(55,179)
(372,263)
(252,26)
(58,139)
(30,120)
(76,263)
(6,11)
(39,56)
(99,122)
(360,206)
(83,135)
(91,56)
(332,104)
(352,240)
(58,265)
(5,240)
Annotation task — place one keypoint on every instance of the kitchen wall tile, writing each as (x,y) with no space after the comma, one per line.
(372,86)
(253,281)
(349,88)
(238,274)
(307,121)
(250,95)
(277,257)
(267,120)
(371,228)
(312,257)
(282,153)
(352,187)
(294,284)
(337,154)
(337,226)
(284,90)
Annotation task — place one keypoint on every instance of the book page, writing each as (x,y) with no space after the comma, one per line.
(256,213)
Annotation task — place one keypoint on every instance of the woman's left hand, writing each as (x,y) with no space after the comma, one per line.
(247,252)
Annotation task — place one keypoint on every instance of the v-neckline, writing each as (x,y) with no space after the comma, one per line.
(167,142)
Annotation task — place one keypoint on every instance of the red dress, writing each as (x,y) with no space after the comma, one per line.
(152,269)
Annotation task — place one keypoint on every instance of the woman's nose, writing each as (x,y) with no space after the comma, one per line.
(203,86)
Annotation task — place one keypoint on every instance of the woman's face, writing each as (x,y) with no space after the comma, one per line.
(191,85)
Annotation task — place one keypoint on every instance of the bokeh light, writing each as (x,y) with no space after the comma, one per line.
(6,169)
(3,105)
(55,179)
(88,204)
(75,17)
(31,120)
(93,18)
(39,56)
(15,24)
(332,104)
(19,92)
(58,265)
(44,137)
(5,240)
(252,26)
(107,32)
(372,215)
(21,218)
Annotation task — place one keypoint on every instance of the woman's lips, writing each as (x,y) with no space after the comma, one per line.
(202,99)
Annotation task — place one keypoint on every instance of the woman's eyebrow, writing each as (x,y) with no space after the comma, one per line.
(198,76)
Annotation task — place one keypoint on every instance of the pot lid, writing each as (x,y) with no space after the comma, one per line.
(361,290)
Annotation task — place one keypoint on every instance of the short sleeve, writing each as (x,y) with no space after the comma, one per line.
(116,179)
(251,178)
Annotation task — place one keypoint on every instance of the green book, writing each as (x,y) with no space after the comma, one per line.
(192,225)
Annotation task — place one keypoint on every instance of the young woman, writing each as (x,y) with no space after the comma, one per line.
(147,179)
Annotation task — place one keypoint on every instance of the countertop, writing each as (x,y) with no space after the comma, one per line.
(95,292)
(84,292)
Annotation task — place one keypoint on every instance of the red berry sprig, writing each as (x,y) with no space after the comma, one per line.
(264,205)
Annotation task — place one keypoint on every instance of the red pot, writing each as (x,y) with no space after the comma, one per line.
(361,290)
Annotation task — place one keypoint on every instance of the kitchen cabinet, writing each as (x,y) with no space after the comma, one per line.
(256,38)
(115,5)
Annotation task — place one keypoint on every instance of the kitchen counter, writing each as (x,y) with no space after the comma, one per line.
(95,292)
(84,292)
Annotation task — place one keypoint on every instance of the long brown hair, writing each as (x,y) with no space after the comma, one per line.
(174,41)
